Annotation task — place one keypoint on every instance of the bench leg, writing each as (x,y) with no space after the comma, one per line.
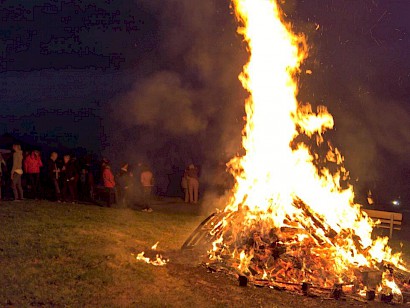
(391,226)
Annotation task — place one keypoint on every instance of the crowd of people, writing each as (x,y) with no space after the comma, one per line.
(73,180)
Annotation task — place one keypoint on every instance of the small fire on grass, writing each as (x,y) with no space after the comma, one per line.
(292,221)
(158,260)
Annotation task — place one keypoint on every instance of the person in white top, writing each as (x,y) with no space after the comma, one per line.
(147,182)
(17,172)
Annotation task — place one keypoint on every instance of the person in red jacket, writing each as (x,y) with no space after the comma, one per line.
(32,165)
(109,182)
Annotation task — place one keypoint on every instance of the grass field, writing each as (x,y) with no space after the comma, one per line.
(78,255)
(74,255)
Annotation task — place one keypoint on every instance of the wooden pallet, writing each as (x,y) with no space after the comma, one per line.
(202,233)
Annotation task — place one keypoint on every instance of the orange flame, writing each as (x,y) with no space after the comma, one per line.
(158,261)
(275,172)
(154,247)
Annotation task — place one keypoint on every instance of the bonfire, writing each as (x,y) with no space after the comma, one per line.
(292,222)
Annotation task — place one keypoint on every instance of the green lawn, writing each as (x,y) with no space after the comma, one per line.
(75,255)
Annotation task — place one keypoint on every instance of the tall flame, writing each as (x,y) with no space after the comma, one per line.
(277,180)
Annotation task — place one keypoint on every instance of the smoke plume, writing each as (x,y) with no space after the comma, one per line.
(191,100)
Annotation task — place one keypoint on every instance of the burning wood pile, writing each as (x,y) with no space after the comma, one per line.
(296,259)
(291,222)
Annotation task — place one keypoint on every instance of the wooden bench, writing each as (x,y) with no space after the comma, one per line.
(388,220)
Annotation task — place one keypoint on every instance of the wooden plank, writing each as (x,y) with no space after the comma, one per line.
(395,222)
(387,220)
(387,227)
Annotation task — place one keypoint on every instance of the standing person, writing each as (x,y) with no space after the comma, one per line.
(124,183)
(90,182)
(109,182)
(2,163)
(69,179)
(84,190)
(32,165)
(54,175)
(17,172)
(147,182)
(137,173)
(193,183)
(76,166)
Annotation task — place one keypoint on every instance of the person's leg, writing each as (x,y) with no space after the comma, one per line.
(125,197)
(146,197)
(65,190)
(57,189)
(91,193)
(14,186)
(29,184)
(39,186)
(32,181)
(108,196)
(71,187)
(191,190)
(83,192)
(74,185)
(196,188)
(35,184)
(186,195)
(116,195)
(149,198)
(19,187)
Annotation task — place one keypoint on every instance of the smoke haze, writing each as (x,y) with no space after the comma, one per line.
(191,100)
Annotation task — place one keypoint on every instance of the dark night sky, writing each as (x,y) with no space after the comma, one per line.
(162,76)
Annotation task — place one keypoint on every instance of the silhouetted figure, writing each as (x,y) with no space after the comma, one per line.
(184,185)
(84,185)
(68,174)
(77,171)
(2,165)
(193,183)
(54,175)
(17,172)
(126,185)
(91,183)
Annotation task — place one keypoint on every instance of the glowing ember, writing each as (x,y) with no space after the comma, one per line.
(288,220)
